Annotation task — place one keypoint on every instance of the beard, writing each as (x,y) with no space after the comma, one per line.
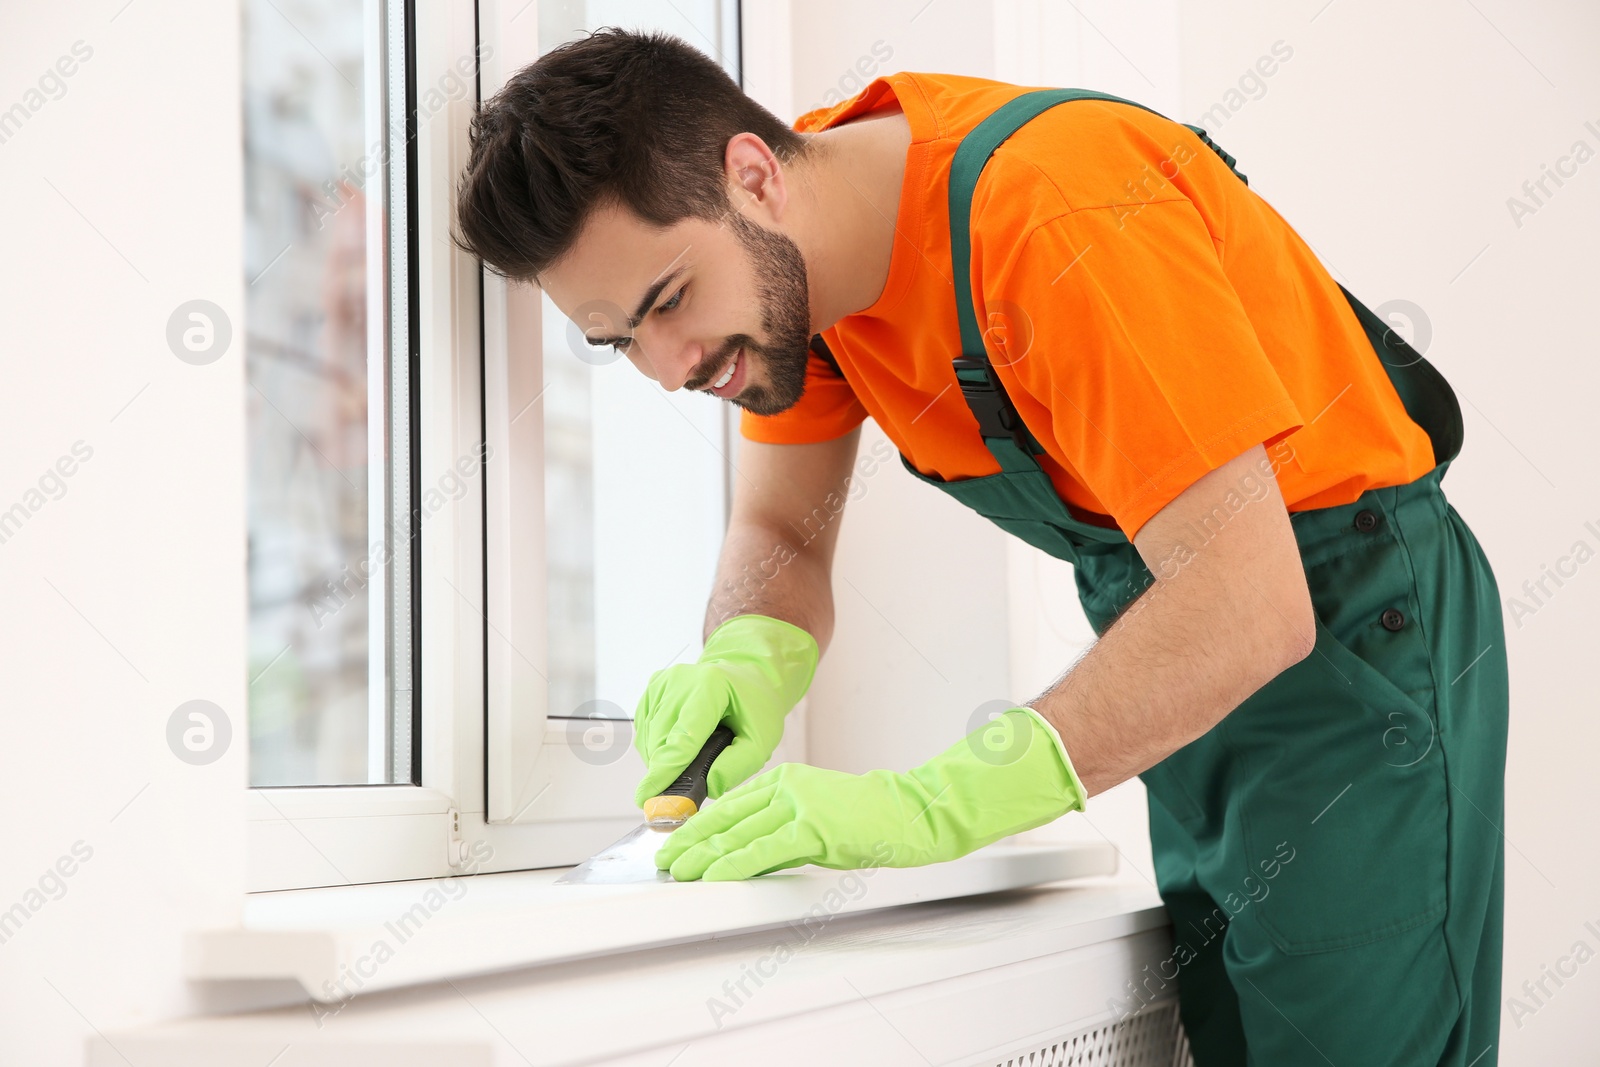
(780,273)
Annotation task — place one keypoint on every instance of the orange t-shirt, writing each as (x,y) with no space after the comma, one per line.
(1150,316)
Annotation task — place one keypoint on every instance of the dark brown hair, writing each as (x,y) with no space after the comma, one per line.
(640,120)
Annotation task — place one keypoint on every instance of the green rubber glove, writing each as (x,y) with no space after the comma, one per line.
(752,672)
(1010,775)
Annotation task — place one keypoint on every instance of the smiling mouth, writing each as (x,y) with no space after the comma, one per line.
(727,375)
(731,381)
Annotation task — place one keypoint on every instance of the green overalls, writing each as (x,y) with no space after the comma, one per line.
(1330,853)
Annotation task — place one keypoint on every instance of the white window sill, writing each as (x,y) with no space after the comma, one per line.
(340,940)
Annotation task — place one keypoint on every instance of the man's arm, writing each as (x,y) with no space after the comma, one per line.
(770,616)
(777,557)
(1221,620)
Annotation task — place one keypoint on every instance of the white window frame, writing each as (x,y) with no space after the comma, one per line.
(549,805)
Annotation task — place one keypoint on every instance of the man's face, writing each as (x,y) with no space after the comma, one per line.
(683,302)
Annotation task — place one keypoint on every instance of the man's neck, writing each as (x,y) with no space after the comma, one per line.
(847,227)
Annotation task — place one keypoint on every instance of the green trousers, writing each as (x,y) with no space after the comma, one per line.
(1331,853)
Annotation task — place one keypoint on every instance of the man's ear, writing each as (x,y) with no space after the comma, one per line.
(756,182)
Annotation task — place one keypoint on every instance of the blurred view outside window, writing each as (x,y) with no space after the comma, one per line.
(607,631)
(314,192)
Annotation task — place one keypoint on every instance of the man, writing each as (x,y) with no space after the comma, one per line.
(1074,316)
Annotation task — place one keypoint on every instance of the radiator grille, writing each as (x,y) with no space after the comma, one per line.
(1153,1038)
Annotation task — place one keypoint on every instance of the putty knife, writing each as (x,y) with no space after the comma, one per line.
(633,859)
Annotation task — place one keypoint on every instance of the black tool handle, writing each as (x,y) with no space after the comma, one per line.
(692,782)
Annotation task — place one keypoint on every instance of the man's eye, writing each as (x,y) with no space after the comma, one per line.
(676,299)
(620,346)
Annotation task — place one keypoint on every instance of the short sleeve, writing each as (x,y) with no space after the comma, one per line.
(1142,357)
(827,409)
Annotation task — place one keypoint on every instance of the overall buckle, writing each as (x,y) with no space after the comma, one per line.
(987,398)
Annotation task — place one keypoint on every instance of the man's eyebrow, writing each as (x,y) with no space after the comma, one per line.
(649,298)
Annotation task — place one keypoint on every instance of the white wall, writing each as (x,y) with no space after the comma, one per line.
(1392,140)
(119,201)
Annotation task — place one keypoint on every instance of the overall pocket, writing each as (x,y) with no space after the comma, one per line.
(1343,767)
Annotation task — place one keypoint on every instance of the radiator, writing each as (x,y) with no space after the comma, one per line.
(1153,1038)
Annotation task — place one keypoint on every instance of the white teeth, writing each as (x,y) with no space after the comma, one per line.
(727,376)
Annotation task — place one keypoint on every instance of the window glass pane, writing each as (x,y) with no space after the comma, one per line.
(314,196)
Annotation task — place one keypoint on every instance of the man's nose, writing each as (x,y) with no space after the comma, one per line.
(673,361)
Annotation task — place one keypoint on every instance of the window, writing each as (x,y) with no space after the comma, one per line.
(469,547)
(330,691)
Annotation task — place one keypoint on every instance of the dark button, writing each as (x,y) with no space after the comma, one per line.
(1366,521)
(1392,620)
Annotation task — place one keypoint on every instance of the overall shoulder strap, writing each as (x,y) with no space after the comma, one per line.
(1003,432)
(824,353)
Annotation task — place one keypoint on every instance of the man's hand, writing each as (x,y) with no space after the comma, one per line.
(753,670)
(1008,776)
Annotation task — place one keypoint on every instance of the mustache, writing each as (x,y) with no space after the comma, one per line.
(709,369)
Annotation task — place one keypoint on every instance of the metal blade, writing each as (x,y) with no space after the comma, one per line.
(631,860)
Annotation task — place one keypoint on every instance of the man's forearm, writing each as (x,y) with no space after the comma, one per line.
(761,572)
(1221,620)
(1164,674)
